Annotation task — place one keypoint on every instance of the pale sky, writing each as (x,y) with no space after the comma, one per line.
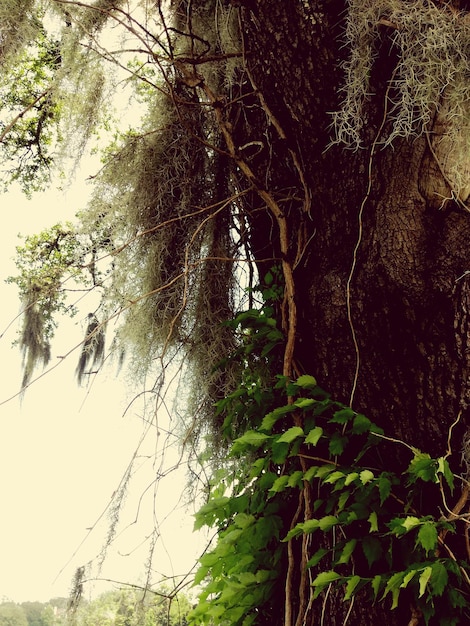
(64,449)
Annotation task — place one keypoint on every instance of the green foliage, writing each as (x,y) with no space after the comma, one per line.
(30,115)
(133,607)
(12,614)
(50,265)
(378,535)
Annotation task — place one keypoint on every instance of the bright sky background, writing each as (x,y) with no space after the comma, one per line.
(64,449)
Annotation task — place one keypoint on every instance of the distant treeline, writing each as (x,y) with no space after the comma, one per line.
(123,607)
(52,613)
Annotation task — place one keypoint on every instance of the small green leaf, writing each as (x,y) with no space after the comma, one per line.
(366,476)
(343,416)
(334,477)
(306,381)
(323,580)
(393,585)
(280,484)
(424,579)
(409,576)
(310,473)
(400,526)
(323,470)
(361,424)
(439,578)
(327,522)
(385,487)
(427,537)
(317,557)
(250,438)
(200,575)
(337,444)
(422,467)
(280,450)
(314,435)
(373,521)
(346,552)
(351,586)
(310,525)
(290,435)
(268,421)
(350,478)
(303,403)
(295,479)
(294,532)
(410,522)
(342,500)
(376,583)
(444,469)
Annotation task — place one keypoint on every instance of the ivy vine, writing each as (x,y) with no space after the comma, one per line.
(389,535)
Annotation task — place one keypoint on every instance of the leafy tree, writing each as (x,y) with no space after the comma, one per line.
(131,607)
(12,614)
(289,222)
(38,613)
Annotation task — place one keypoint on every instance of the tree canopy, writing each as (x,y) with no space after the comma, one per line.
(279,231)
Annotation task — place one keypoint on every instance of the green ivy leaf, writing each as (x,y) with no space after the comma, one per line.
(271,418)
(303,403)
(427,537)
(337,444)
(351,477)
(439,578)
(366,476)
(422,467)
(408,577)
(310,473)
(346,552)
(385,486)
(400,526)
(342,500)
(279,452)
(376,584)
(334,477)
(361,424)
(280,484)
(351,586)
(444,469)
(295,479)
(290,435)
(306,381)
(327,522)
(200,575)
(323,580)
(343,416)
(424,579)
(410,522)
(393,586)
(310,525)
(250,438)
(317,557)
(373,521)
(314,435)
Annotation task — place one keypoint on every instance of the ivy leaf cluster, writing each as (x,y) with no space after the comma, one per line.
(381,533)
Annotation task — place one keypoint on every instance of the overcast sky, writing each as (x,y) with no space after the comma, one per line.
(64,449)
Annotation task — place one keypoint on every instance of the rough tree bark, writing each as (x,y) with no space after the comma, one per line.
(382,288)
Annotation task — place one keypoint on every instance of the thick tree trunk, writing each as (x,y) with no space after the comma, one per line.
(382,287)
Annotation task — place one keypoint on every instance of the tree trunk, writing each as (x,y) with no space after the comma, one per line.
(381,280)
